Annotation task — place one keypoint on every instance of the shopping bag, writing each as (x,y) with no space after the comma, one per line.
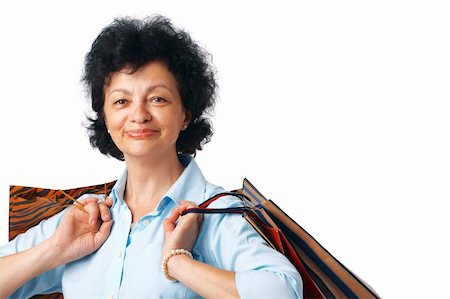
(30,205)
(323,275)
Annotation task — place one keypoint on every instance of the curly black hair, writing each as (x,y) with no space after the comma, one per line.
(129,42)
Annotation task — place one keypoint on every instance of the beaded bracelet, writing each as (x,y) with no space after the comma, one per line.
(166,258)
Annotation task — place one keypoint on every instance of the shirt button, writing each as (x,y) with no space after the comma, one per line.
(145,222)
(119,255)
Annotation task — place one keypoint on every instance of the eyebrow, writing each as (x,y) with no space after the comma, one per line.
(148,90)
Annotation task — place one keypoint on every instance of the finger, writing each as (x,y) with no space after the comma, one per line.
(169,222)
(93,211)
(105,213)
(109,202)
(185,205)
(182,208)
(103,232)
(199,218)
(168,226)
(85,201)
(79,206)
(174,215)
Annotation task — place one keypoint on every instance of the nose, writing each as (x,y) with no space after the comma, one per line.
(141,113)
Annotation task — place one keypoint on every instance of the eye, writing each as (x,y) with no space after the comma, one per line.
(158,100)
(120,102)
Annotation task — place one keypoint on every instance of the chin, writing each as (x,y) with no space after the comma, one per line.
(143,153)
(147,150)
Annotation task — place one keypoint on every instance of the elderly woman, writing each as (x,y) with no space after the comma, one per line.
(151,88)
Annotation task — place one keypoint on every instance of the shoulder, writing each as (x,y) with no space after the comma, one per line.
(227,201)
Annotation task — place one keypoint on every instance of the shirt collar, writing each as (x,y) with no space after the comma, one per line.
(190,185)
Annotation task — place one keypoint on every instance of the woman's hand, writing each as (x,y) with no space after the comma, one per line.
(83,232)
(181,235)
(78,234)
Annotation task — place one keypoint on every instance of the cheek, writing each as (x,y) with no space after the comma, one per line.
(114,120)
(168,119)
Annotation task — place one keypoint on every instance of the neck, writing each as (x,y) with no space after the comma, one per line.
(148,179)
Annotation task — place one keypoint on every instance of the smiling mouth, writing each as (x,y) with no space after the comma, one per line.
(141,133)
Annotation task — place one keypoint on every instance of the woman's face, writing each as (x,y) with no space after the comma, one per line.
(143,110)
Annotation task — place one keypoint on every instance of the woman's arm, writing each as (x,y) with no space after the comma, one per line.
(78,234)
(205,280)
(20,267)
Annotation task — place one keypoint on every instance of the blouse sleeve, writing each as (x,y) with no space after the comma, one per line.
(48,282)
(234,245)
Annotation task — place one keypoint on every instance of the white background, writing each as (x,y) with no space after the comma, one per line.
(338,111)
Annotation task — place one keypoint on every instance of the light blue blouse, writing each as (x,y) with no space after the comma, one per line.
(128,265)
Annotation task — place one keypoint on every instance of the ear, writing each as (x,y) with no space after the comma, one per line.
(105,121)
(187,118)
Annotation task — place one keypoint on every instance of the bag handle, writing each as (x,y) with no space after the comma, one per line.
(245,210)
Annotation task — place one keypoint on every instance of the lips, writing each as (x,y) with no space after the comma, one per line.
(140,133)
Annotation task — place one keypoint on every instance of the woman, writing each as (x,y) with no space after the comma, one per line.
(151,88)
